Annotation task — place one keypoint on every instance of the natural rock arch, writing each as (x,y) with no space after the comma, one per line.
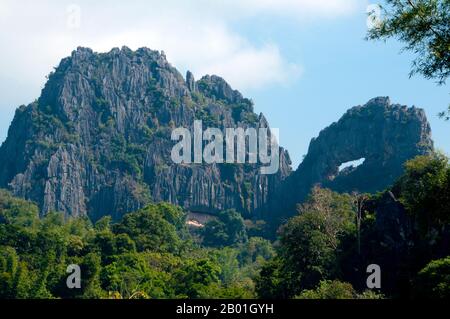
(386,135)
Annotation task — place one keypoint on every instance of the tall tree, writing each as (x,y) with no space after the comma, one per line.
(424,26)
(308,246)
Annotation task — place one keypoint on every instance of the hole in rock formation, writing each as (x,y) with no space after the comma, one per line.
(351,165)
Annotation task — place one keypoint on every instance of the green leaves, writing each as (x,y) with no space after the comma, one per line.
(14,211)
(335,289)
(195,276)
(424,26)
(227,230)
(149,254)
(433,281)
(308,245)
(328,289)
(309,241)
(154,228)
(425,190)
(12,273)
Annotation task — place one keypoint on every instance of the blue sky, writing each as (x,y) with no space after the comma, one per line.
(341,70)
(303,62)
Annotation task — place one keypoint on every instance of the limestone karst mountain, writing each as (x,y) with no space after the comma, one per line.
(98,142)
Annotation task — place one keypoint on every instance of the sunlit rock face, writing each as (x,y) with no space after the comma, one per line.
(98,140)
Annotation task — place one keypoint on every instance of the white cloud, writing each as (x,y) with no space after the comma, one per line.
(211,50)
(195,35)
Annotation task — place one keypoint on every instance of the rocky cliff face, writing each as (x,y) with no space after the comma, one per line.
(383,136)
(98,140)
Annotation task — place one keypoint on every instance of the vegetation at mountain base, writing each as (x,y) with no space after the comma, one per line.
(151,253)
(433,281)
(228,229)
(90,154)
(336,289)
(405,230)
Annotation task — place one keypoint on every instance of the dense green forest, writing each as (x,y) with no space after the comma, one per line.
(322,252)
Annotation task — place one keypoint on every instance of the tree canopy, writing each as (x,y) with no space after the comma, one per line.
(320,253)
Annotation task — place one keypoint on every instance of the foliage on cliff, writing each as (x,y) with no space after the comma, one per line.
(148,254)
(323,252)
(405,230)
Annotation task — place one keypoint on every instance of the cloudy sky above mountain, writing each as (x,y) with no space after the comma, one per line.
(293,57)
(194,34)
